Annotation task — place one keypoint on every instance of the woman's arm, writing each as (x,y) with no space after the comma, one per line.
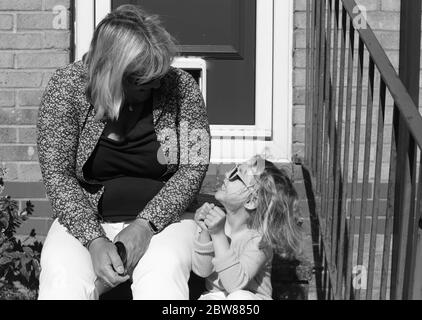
(57,141)
(194,151)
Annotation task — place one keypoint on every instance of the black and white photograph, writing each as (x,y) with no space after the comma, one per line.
(248,152)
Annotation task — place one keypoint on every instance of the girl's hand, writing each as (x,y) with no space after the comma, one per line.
(136,238)
(106,262)
(215,221)
(201,214)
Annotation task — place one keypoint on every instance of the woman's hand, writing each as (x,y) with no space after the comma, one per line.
(106,262)
(215,221)
(201,214)
(136,238)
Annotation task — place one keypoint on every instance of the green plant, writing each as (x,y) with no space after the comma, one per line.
(19,260)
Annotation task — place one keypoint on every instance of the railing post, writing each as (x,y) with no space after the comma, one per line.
(406,281)
(404,205)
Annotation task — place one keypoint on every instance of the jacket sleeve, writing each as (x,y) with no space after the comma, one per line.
(57,141)
(193,144)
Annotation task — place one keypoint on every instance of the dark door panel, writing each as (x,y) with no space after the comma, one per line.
(224,33)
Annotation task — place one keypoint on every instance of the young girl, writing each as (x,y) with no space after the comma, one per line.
(234,249)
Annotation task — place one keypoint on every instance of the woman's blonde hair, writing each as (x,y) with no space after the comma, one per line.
(127,41)
(277,215)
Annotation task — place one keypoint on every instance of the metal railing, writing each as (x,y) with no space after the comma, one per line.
(364,166)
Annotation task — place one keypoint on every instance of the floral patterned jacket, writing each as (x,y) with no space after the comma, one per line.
(67,134)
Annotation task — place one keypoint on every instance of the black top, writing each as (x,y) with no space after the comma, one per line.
(128,169)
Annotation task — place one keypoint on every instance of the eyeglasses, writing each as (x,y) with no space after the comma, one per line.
(235,174)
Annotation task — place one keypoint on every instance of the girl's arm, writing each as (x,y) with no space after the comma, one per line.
(221,244)
(237,270)
(203,253)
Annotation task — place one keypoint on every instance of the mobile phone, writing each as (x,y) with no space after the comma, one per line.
(121,251)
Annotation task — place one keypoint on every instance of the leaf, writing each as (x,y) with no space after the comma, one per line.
(18,285)
(10,255)
(25,261)
(15,255)
(23,215)
(37,273)
(4,247)
(25,273)
(36,265)
(28,250)
(3,171)
(5,260)
(29,208)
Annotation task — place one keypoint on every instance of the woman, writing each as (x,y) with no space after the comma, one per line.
(124,144)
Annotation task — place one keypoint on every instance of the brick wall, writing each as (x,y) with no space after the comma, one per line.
(384,19)
(32,45)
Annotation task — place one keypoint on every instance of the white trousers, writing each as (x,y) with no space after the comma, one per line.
(161,274)
(237,295)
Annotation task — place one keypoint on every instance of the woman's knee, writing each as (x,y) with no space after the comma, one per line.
(66,267)
(64,254)
(163,272)
(164,280)
(164,264)
(66,280)
(170,251)
(163,276)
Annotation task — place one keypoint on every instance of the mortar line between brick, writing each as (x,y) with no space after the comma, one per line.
(17,136)
(17,145)
(15,61)
(44,50)
(15,98)
(6,163)
(17,126)
(30,12)
(23,70)
(39,218)
(38,31)
(15,23)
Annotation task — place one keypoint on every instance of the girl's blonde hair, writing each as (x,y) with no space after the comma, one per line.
(127,41)
(277,215)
